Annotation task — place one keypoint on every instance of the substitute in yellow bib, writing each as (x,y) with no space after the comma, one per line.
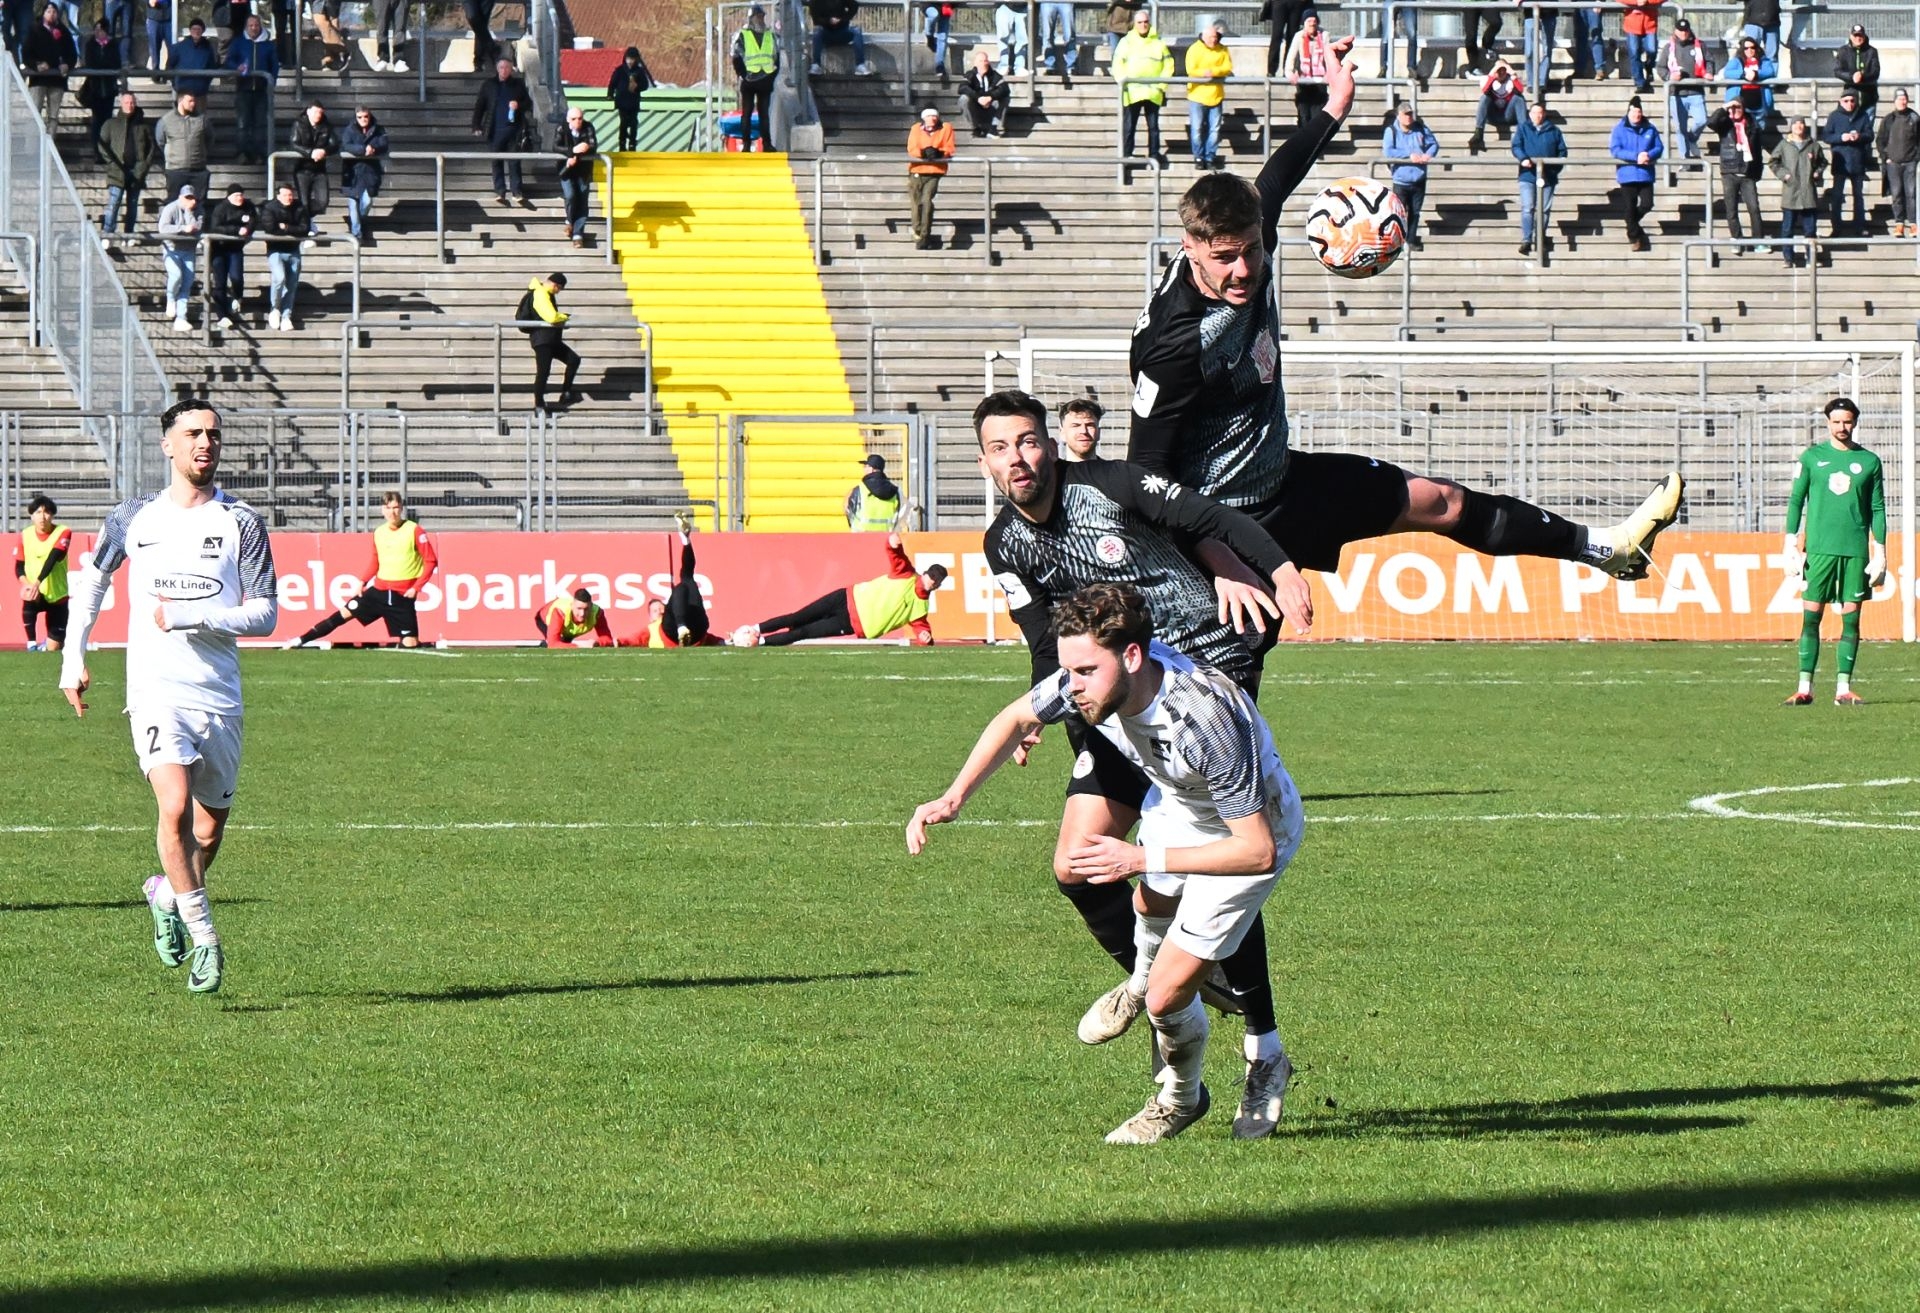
(900,597)
(40,564)
(566,620)
(402,562)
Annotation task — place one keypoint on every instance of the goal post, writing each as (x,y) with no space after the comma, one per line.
(1584,430)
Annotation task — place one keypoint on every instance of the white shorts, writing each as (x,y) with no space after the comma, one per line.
(208,745)
(1216,911)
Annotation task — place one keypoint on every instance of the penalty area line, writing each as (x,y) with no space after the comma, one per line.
(1720,805)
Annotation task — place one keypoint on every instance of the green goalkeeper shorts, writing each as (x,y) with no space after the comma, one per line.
(1836,579)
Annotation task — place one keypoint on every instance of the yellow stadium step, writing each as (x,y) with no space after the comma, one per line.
(715,255)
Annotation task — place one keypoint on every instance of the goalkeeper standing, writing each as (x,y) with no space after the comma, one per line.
(1838,500)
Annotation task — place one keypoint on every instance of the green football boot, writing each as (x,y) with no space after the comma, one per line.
(203,975)
(169,931)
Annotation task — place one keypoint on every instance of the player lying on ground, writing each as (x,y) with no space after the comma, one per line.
(681,620)
(403,560)
(871,609)
(1840,489)
(1068,525)
(199,575)
(1209,407)
(1223,824)
(565,620)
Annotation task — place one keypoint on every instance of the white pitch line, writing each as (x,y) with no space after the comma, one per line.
(1715,804)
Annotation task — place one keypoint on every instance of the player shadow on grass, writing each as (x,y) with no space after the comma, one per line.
(488,1276)
(102,905)
(1611,1113)
(484,993)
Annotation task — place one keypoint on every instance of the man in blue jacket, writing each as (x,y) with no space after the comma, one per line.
(254,59)
(1407,138)
(1849,138)
(1536,141)
(193,51)
(1635,145)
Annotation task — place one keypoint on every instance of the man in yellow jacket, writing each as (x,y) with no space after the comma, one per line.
(1206,58)
(865,610)
(543,321)
(1142,54)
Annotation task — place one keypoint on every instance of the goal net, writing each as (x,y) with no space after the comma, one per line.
(1585,430)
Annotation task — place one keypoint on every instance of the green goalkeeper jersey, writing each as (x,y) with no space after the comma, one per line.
(1841,492)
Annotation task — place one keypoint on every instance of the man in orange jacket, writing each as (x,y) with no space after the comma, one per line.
(929,147)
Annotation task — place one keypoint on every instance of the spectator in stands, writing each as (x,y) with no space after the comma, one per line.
(1535,142)
(929,148)
(102,58)
(237,218)
(1686,61)
(1307,65)
(185,139)
(577,143)
(756,60)
(1080,429)
(1642,29)
(1857,66)
(1798,162)
(985,93)
(1407,138)
(390,34)
(118,16)
(503,117)
(1057,41)
(1206,58)
(180,224)
(49,57)
(1849,136)
(1408,20)
(565,621)
(1142,54)
(333,40)
(126,150)
(1740,163)
(1899,143)
(1750,71)
(1120,21)
(318,144)
(283,227)
(1503,98)
(631,80)
(479,16)
(833,25)
(1539,45)
(874,503)
(1010,30)
(256,65)
(1635,146)
(1482,28)
(362,167)
(191,53)
(159,30)
(1760,23)
(938,25)
(1286,16)
(545,323)
(1589,45)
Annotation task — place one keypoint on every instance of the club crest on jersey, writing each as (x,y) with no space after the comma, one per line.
(1083,766)
(210,546)
(1838,483)
(1855,467)
(1110,549)
(1266,355)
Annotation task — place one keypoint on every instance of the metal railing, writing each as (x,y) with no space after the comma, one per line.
(1814,250)
(354,328)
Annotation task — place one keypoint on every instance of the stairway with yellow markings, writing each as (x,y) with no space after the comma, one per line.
(716,259)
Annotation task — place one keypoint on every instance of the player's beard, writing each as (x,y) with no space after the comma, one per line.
(1218,290)
(198,476)
(1036,492)
(1117,696)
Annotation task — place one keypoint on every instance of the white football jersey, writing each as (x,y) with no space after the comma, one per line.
(212,566)
(1201,741)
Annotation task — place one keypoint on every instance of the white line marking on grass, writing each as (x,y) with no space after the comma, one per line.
(1715,804)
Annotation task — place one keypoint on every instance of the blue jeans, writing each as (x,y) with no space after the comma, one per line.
(227,273)
(840,36)
(357,207)
(115,195)
(505,171)
(1010,29)
(1641,51)
(119,16)
(1408,21)
(1203,129)
(1412,196)
(1769,37)
(283,269)
(576,192)
(1589,49)
(1057,20)
(179,272)
(159,36)
(938,28)
(1803,220)
(1528,184)
(1689,120)
(1511,115)
(1539,47)
(251,126)
(1836,198)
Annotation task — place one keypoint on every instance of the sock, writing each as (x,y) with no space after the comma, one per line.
(333,621)
(1849,645)
(194,911)
(1183,1043)
(1108,911)
(1263,1048)
(1809,648)
(1149,932)
(685,541)
(163,895)
(1507,526)
(1247,978)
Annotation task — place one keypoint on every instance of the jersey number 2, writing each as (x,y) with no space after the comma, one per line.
(153,738)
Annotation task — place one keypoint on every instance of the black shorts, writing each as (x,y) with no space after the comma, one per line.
(1329,499)
(396,608)
(1102,770)
(55,612)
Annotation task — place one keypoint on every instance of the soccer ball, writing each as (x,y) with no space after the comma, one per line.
(1357,227)
(746,636)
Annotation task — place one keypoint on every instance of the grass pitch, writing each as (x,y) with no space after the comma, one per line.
(602,980)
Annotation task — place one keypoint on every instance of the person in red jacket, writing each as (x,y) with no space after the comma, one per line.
(568,618)
(865,610)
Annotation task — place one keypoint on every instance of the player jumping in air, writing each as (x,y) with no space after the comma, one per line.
(1210,411)
(199,575)
(1840,490)
(40,564)
(1223,823)
(403,560)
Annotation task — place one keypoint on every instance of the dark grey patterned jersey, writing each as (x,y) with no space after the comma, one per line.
(1209,406)
(1112,522)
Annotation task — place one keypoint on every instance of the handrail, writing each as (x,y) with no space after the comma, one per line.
(30,275)
(205,241)
(356,325)
(1813,246)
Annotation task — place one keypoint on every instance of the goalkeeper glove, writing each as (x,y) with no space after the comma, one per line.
(1796,563)
(1876,566)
